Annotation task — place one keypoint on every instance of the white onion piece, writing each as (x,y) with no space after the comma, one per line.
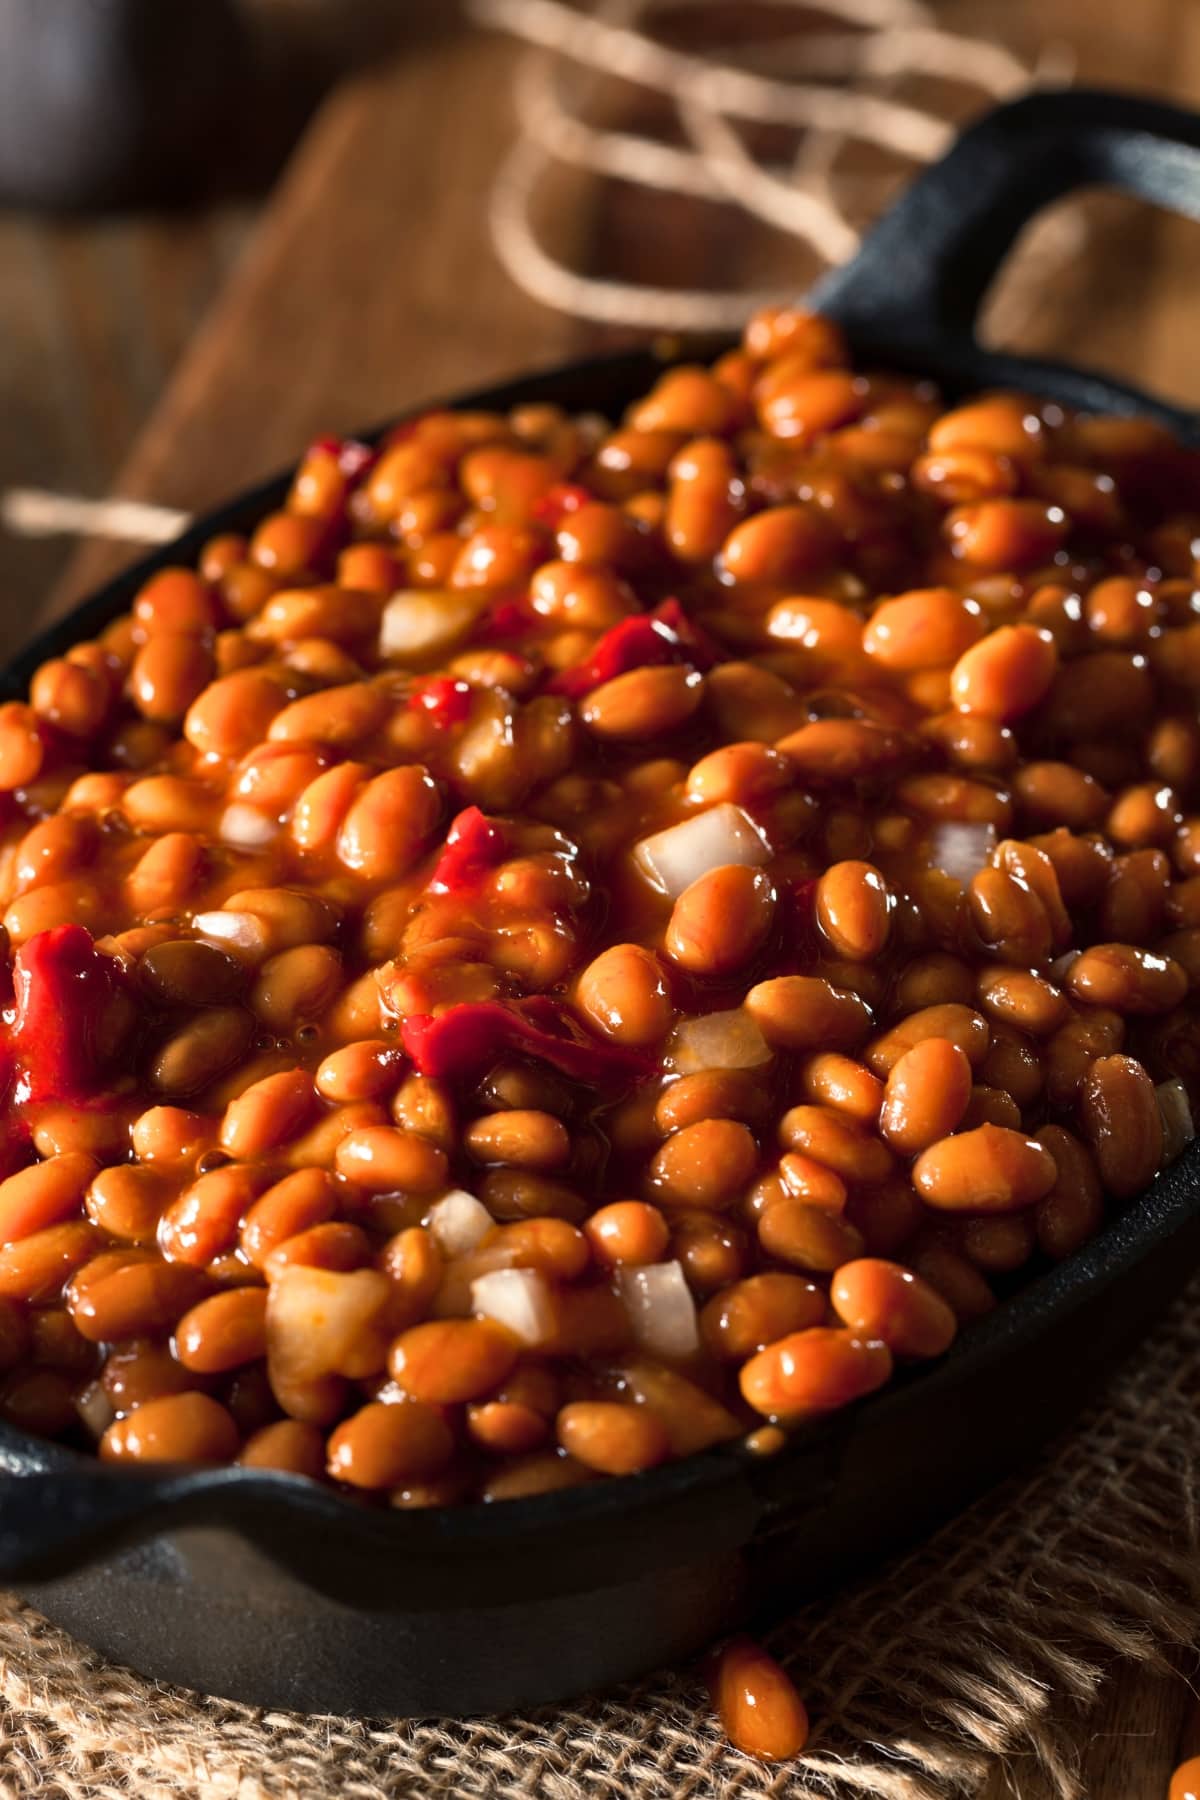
(724,1040)
(1178,1126)
(420,622)
(1061,964)
(661,1310)
(316,1320)
(95,1409)
(676,857)
(518,1299)
(236,930)
(459,1221)
(246,828)
(961,850)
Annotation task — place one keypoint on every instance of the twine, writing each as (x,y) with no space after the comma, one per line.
(810,198)
(873,47)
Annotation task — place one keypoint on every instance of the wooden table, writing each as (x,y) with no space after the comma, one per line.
(357,296)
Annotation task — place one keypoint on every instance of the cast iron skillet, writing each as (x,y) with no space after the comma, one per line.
(267,1589)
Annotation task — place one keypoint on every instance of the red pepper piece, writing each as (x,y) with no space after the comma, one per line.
(464,1039)
(64,989)
(703,650)
(508,618)
(474,844)
(633,644)
(448,702)
(352,457)
(662,636)
(559,502)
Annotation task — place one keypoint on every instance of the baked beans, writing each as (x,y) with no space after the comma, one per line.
(574,944)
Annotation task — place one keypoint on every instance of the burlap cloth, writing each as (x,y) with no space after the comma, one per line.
(986,1645)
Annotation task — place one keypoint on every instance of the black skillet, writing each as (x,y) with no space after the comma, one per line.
(271,1590)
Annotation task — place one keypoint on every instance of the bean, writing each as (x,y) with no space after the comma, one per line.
(960,1025)
(43,1195)
(813,1371)
(447,1361)
(611,1438)
(185,1427)
(366,1070)
(389,824)
(125,1201)
(382,1446)
(296,986)
(205,1047)
(268,1113)
(709,1094)
(812,1182)
(385,1160)
(627,1231)
(170,1137)
(182,972)
(335,1246)
(223,1332)
(1020,998)
(705,1164)
(203,1221)
(1006,674)
(288,1446)
(879,1299)
(838,1081)
(1122,1123)
(711,1248)
(926,1095)
(804,1012)
(991,1169)
(777,547)
(1127,979)
(853,907)
(530,1140)
(625,995)
(645,703)
(721,920)
(1073,1210)
(926,629)
(807,1236)
(760,1711)
(837,1141)
(749,1314)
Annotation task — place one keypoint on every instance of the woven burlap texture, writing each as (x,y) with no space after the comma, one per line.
(985,1646)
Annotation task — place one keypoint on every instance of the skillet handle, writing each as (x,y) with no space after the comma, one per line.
(54,1522)
(921,275)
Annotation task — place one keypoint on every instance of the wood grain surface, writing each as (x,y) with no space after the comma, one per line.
(369,286)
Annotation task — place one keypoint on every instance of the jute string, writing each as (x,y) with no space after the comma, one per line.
(983,1648)
(836,87)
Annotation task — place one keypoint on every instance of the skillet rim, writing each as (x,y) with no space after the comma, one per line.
(1145,1223)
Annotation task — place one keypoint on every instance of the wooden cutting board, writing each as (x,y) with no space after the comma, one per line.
(370,287)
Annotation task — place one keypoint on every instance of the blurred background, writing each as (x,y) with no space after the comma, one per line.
(228,225)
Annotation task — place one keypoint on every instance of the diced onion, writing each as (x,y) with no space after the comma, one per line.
(1061,964)
(238,930)
(419,623)
(518,1299)
(317,1319)
(960,851)
(724,1040)
(1178,1126)
(676,857)
(246,828)
(95,1409)
(661,1310)
(459,1221)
